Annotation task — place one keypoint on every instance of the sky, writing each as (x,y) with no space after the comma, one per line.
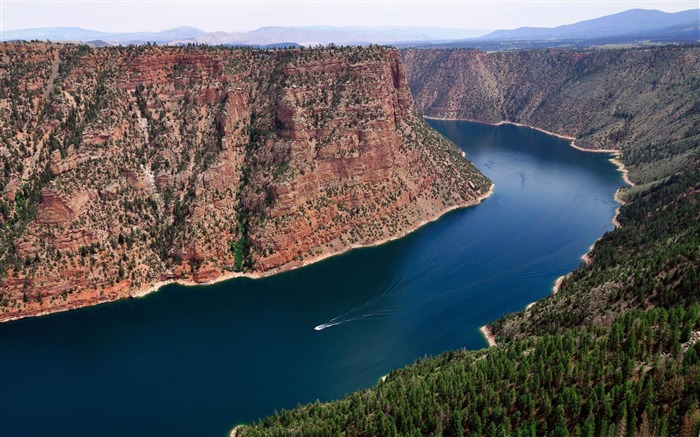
(237,15)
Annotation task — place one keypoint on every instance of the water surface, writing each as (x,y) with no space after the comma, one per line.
(198,360)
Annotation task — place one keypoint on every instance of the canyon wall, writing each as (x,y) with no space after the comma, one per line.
(129,166)
(642,101)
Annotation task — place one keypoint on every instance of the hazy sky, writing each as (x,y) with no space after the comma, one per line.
(236,15)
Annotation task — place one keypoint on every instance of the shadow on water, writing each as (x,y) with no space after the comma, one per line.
(196,360)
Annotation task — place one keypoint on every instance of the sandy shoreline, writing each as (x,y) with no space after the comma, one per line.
(555,287)
(500,123)
(312,260)
(488,335)
(155,286)
(558,282)
(235,429)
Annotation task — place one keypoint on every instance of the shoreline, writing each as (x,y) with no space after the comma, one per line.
(586,258)
(621,168)
(616,152)
(281,269)
(620,202)
(488,335)
(155,286)
(235,429)
(558,282)
(615,160)
(503,122)
(555,287)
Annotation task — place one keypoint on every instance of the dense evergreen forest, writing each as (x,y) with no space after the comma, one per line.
(614,353)
(636,377)
(560,369)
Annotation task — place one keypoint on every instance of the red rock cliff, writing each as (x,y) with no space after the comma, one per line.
(143,164)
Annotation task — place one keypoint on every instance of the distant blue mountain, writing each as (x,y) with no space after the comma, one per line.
(54,34)
(164,36)
(632,25)
(633,22)
(79,34)
(264,36)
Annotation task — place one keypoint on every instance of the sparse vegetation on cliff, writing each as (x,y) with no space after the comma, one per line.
(615,351)
(126,166)
(641,101)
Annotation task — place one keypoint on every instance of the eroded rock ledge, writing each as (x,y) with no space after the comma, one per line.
(138,166)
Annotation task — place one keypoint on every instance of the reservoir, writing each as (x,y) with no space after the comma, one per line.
(199,360)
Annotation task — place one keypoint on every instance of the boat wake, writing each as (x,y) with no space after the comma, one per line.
(423,286)
(323,326)
(497,279)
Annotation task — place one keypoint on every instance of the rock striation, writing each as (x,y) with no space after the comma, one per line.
(137,165)
(640,101)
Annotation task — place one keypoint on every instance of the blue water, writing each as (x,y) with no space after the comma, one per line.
(198,360)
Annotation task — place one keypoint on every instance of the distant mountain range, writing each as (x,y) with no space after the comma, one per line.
(264,36)
(635,22)
(632,27)
(84,35)
(624,27)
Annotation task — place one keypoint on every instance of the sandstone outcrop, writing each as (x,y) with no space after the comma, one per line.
(179,163)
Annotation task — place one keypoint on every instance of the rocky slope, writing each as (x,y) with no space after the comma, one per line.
(616,350)
(128,166)
(643,102)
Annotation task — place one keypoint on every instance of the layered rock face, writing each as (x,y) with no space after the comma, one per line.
(128,166)
(641,101)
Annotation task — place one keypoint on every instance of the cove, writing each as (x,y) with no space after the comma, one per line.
(199,360)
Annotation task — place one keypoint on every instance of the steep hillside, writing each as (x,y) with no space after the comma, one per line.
(643,102)
(633,378)
(615,351)
(128,166)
